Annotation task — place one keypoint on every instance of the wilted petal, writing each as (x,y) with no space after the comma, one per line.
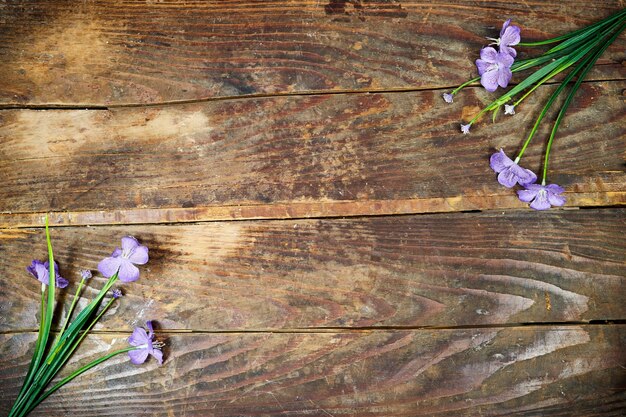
(499,161)
(138,356)
(150,329)
(509,109)
(128,272)
(158,355)
(109,266)
(139,337)
(139,256)
(61,282)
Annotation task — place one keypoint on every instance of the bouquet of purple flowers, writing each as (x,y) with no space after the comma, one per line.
(579,50)
(51,355)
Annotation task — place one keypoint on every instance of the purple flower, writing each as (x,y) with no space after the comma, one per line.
(494,68)
(117,293)
(448,98)
(509,109)
(509,173)
(465,128)
(85,274)
(542,197)
(40,271)
(509,36)
(145,345)
(125,260)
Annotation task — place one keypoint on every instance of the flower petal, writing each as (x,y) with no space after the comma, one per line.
(138,356)
(61,282)
(128,244)
(117,252)
(489,54)
(505,60)
(158,355)
(139,256)
(128,271)
(555,188)
(526,176)
(507,50)
(150,329)
(489,80)
(139,337)
(42,273)
(499,161)
(505,25)
(555,200)
(541,201)
(109,266)
(510,35)
(504,76)
(482,66)
(527,195)
(507,177)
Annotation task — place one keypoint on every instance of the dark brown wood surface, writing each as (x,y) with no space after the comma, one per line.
(64,52)
(547,370)
(304,191)
(430,270)
(296,157)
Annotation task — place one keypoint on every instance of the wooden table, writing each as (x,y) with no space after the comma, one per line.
(323,240)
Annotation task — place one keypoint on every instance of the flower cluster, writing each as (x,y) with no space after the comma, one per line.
(579,49)
(51,355)
(494,67)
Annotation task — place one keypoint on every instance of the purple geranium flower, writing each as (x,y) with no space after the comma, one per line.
(509,36)
(494,68)
(124,260)
(542,197)
(41,271)
(145,345)
(509,173)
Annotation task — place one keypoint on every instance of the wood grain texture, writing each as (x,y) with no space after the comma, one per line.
(573,370)
(101,52)
(410,271)
(397,153)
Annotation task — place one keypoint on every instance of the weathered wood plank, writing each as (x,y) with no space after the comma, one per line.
(317,152)
(120,52)
(516,371)
(429,270)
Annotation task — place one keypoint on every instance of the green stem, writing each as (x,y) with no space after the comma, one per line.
(69,313)
(73,330)
(51,367)
(587,67)
(585,30)
(77,373)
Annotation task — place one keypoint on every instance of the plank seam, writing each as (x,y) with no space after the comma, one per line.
(96,107)
(332,329)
